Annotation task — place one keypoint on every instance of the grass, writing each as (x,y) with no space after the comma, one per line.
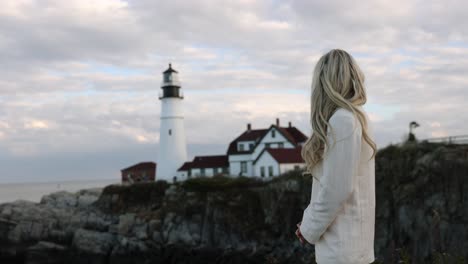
(220,183)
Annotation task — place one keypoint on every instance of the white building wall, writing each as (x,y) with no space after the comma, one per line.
(245,144)
(196,172)
(273,142)
(266,160)
(235,164)
(209,172)
(172,147)
(182,175)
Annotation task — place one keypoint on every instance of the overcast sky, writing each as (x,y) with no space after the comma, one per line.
(79,79)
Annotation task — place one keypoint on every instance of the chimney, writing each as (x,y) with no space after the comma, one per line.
(249,127)
(289,123)
(277,121)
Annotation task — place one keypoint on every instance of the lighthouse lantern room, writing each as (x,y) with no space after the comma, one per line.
(172,145)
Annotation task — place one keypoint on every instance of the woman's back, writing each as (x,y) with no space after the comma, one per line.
(349,237)
(340,218)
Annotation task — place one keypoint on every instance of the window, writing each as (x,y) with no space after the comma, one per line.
(170,132)
(241,147)
(225,170)
(296,167)
(215,170)
(270,171)
(167,77)
(281,145)
(262,171)
(273,132)
(243,166)
(202,171)
(267,145)
(251,146)
(189,173)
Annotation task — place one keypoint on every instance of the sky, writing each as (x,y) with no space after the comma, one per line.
(80,79)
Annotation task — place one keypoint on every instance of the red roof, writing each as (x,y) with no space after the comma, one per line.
(187,165)
(291,133)
(284,155)
(248,135)
(296,134)
(214,161)
(141,166)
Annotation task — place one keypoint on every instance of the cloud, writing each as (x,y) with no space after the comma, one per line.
(84,76)
(36,124)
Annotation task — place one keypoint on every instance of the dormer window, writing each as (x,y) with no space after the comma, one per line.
(280,145)
(251,146)
(241,147)
(273,132)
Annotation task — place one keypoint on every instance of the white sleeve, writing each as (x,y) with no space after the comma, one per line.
(340,166)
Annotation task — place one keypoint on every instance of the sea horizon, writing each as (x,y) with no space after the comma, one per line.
(33,191)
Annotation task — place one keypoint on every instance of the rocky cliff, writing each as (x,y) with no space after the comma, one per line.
(421,217)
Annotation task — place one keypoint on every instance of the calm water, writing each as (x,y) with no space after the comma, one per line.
(34,191)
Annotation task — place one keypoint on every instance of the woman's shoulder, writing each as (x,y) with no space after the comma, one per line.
(344,121)
(342,114)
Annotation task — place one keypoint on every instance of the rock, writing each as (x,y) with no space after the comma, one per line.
(421,208)
(99,243)
(61,199)
(171,190)
(126,222)
(88,197)
(141,231)
(45,253)
(6,212)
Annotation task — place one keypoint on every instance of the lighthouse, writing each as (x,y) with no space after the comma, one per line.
(172,146)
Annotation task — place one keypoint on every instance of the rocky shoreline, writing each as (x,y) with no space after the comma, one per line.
(124,224)
(421,216)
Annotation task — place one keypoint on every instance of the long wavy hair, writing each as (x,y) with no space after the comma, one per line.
(337,82)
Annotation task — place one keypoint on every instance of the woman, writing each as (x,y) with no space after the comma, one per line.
(340,157)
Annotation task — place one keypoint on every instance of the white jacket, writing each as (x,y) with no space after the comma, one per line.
(340,218)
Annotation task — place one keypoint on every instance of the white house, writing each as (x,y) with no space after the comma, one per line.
(246,151)
(256,153)
(204,166)
(275,161)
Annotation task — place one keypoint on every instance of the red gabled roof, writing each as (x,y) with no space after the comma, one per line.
(214,161)
(291,133)
(295,133)
(149,165)
(248,135)
(286,155)
(185,166)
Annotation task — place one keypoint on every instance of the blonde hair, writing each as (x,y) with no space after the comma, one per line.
(337,82)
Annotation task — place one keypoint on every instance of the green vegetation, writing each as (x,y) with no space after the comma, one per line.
(121,198)
(291,175)
(220,183)
(137,189)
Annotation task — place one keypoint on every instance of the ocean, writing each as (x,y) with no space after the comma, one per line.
(10,192)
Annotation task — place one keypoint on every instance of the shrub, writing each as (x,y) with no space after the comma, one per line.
(219,183)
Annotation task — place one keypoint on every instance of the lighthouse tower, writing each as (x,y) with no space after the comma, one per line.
(172,146)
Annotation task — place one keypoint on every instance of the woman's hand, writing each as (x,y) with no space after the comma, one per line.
(299,235)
